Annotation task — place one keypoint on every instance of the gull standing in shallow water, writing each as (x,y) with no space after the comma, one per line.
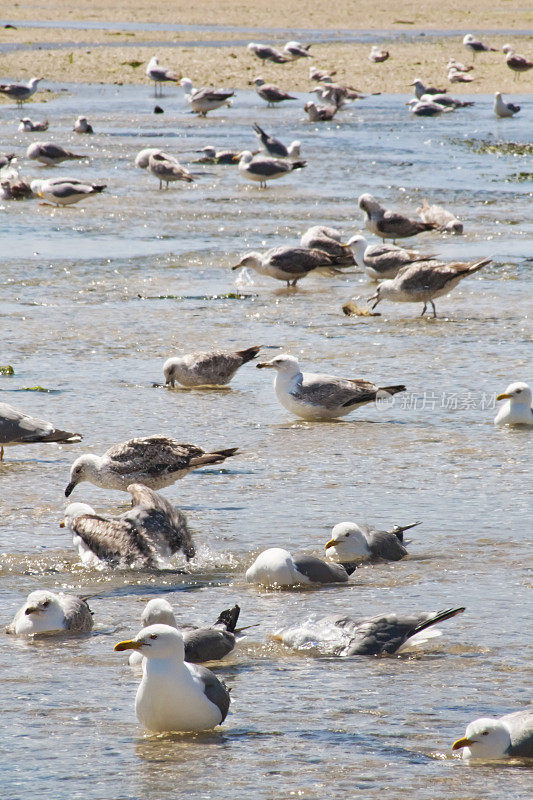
(261,169)
(277,567)
(211,368)
(168,169)
(174,695)
(517,410)
(390,224)
(314,396)
(155,461)
(422,283)
(271,93)
(20,92)
(147,534)
(160,75)
(47,612)
(352,542)
(490,738)
(16,427)
(383,260)
(204,100)
(289,263)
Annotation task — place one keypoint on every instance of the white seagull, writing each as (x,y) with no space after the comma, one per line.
(503,109)
(476,45)
(352,542)
(47,612)
(20,92)
(65,191)
(517,410)
(160,75)
(50,154)
(204,100)
(490,738)
(277,567)
(261,169)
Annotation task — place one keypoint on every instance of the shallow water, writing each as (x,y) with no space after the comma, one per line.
(95,297)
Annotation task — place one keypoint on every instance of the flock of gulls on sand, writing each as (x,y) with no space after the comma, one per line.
(178,693)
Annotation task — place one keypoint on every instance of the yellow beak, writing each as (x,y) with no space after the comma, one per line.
(62,524)
(464,742)
(129,644)
(331,543)
(504,396)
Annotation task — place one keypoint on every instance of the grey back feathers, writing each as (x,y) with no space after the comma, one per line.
(19,428)
(214,690)
(319,571)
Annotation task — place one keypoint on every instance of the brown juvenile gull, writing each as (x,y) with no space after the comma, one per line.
(20,92)
(377,55)
(204,100)
(443,219)
(496,738)
(261,169)
(160,75)
(351,542)
(213,156)
(422,283)
(427,108)
(383,634)
(390,224)
(475,45)
(168,169)
(47,612)
(16,427)
(142,159)
(295,50)
(319,113)
(211,368)
(515,62)
(146,535)
(274,147)
(328,240)
(267,53)
(503,109)
(288,263)
(27,125)
(383,260)
(315,396)
(50,154)
(65,191)
(271,93)
(82,126)
(155,461)
(277,567)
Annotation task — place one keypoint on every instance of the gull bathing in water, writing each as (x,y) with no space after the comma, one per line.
(155,461)
(20,92)
(383,260)
(211,368)
(27,126)
(289,263)
(65,191)
(174,695)
(352,542)
(50,154)
(16,427)
(267,53)
(422,283)
(168,169)
(273,147)
(517,410)
(47,612)
(476,45)
(503,109)
(271,93)
(261,169)
(426,108)
(490,738)
(390,224)
(314,396)
(147,534)
(204,100)
(277,567)
(442,219)
(82,126)
(320,113)
(160,75)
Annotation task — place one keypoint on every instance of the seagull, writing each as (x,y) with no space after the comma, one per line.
(214,156)
(319,113)
(168,169)
(273,147)
(445,100)
(211,368)
(155,461)
(267,53)
(174,695)
(456,76)
(427,108)
(50,154)
(351,542)
(490,738)
(383,260)
(517,411)
(458,67)
(321,75)
(202,101)
(515,62)
(422,283)
(295,50)
(6,159)
(15,189)
(390,224)
(377,55)
(383,634)
(20,92)
(421,90)
(288,263)
(314,396)
(277,567)
(443,220)
(16,427)
(142,159)
(475,45)
(503,109)
(336,94)
(47,612)
(265,168)
(328,240)
(160,75)
(271,93)
(150,532)
(82,126)
(65,191)
(27,126)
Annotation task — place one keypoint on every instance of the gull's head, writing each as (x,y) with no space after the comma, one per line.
(158,612)
(310,106)
(294,148)
(33,82)
(507,48)
(41,613)
(156,641)
(36,186)
(518,392)
(358,243)
(485,738)
(154,62)
(284,363)
(244,157)
(26,124)
(498,95)
(259,82)
(468,38)
(73,511)
(83,469)
(385,289)
(170,368)
(186,84)
(252,47)
(143,156)
(417,82)
(368,203)
(253,260)
(209,151)
(348,541)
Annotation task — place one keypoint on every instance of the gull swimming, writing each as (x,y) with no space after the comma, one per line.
(421,90)
(82,126)
(271,93)
(27,125)
(50,154)
(390,224)
(427,108)
(211,368)
(65,191)
(168,169)
(383,634)
(142,159)
(422,283)
(202,101)
(267,53)
(495,738)
(377,55)
(277,567)
(444,99)
(295,50)
(314,396)
(517,410)
(383,260)
(328,240)
(149,533)
(351,542)
(155,461)
(273,147)
(20,92)
(442,219)
(319,113)
(288,264)
(16,428)
(47,612)
(160,75)
(476,45)
(174,695)
(261,169)
(515,62)
(214,156)
(503,109)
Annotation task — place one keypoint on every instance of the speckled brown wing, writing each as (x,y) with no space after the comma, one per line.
(152,455)
(117,541)
(163,525)
(299,260)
